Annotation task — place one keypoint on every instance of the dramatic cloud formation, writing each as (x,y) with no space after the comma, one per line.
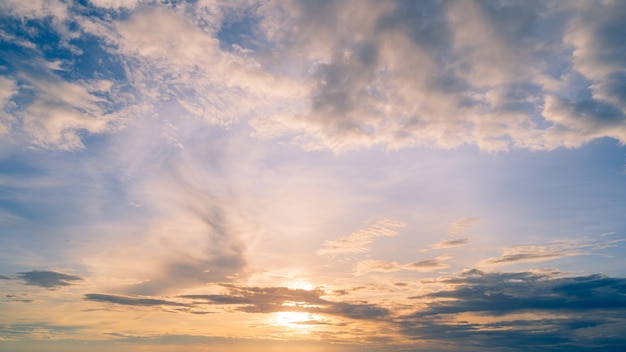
(457,78)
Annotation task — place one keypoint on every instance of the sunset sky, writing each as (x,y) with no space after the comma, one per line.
(312,175)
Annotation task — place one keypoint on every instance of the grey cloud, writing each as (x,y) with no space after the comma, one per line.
(567,313)
(437,56)
(451,243)
(2,277)
(524,257)
(271,299)
(548,251)
(392,73)
(251,299)
(357,311)
(429,264)
(129,301)
(506,293)
(48,279)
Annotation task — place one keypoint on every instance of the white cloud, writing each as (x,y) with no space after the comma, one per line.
(116,4)
(55,9)
(7,89)
(348,75)
(460,226)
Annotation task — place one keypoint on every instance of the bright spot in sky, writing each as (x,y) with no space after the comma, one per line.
(299,284)
(298,320)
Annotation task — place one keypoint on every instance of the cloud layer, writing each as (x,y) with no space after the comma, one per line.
(537,75)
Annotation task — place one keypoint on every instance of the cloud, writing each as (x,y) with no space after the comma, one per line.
(460,226)
(367,266)
(430,264)
(502,293)
(451,243)
(544,252)
(2,277)
(251,299)
(357,241)
(130,301)
(48,279)
(339,76)
(471,85)
(531,310)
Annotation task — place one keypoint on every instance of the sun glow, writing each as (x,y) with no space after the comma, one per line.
(294,319)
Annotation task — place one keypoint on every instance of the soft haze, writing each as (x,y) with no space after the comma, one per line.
(312,175)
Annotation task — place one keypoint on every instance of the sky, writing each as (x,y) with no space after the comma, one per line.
(312,175)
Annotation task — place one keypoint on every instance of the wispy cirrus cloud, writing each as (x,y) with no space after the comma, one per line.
(368,266)
(549,251)
(358,241)
(451,243)
(460,226)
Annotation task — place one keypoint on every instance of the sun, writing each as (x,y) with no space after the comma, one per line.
(298,320)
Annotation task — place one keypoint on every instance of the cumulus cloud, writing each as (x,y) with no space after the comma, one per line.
(48,279)
(456,77)
(350,74)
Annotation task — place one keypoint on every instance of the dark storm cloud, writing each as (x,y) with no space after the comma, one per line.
(48,279)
